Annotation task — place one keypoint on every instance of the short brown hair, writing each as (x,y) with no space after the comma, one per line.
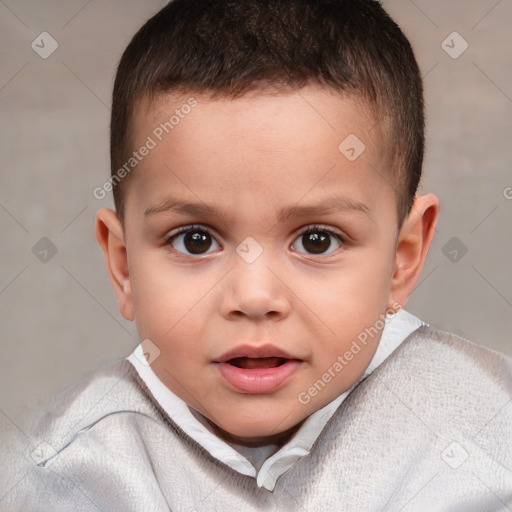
(231,47)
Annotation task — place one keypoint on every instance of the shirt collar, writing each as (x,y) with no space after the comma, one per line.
(396,329)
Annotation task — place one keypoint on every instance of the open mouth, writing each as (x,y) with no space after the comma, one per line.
(251,363)
(257,370)
(257,375)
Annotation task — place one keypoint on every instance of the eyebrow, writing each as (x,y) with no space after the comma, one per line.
(327,206)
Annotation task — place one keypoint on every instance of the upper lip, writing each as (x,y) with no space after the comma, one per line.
(255,352)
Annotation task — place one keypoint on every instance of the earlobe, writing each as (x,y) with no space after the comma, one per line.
(110,236)
(413,244)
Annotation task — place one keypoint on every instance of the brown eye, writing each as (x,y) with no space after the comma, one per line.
(195,241)
(318,241)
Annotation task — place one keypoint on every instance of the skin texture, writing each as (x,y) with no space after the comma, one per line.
(248,159)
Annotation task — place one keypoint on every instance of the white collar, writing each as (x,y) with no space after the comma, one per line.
(396,329)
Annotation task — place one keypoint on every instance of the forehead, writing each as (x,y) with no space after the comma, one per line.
(264,146)
(318,108)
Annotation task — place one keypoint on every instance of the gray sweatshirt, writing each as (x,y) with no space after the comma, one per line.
(429,430)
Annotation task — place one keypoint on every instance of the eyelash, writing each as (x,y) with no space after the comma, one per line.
(311,228)
(318,228)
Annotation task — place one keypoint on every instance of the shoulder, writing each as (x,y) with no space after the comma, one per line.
(435,416)
(441,360)
(112,390)
(452,387)
(111,395)
(436,385)
(83,448)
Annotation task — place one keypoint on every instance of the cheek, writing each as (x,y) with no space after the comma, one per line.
(373,285)
(166,297)
(348,303)
(356,290)
(372,274)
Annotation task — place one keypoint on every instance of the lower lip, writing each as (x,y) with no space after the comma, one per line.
(257,380)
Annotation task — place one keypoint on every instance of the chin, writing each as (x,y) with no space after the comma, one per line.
(257,432)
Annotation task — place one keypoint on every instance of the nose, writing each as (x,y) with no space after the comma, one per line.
(255,291)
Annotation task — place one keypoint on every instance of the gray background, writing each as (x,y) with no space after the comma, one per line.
(59,319)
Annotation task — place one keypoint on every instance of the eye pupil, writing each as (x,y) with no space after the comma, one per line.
(197,242)
(316,242)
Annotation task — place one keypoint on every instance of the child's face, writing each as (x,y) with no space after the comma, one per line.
(266,193)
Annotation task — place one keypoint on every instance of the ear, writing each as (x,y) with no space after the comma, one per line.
(110,236)
(413,244)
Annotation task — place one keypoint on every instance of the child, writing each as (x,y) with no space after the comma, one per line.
(265,162)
